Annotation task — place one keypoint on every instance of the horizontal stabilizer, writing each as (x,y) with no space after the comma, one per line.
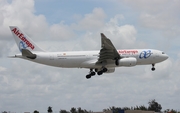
(28,54)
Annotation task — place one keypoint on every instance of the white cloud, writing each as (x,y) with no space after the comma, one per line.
(93,21)
(163,71)
(20,13)
(116,20)
(160,15)
(61,31)
(2,69)
(122,36)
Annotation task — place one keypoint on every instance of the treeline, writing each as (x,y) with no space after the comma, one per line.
(142,107)
(153,106)
(74,110)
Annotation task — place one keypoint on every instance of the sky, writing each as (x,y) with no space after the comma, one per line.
(64,25)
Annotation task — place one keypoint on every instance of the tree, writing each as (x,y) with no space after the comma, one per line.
(142,107)
(4,112)
(36,111)
(63,111)
(154,106)
(79,110)
(73,110)
(49,109)
(136,108)
(126,108)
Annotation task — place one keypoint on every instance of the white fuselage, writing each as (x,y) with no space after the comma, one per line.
(88,59)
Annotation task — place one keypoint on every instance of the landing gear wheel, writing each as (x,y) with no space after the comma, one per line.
(88,76)
(153,69)
(100,72)
(92,73)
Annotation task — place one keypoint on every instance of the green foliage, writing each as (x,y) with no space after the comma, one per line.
(4,112)
(116,109)
(154,106)
(63,111)
(36,111)
(74,110)
(49,109)
(142,107)
(79,110)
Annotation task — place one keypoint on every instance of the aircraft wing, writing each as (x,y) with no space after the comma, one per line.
(108,51)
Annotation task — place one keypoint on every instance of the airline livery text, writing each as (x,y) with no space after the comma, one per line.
(23,38)
(127,51)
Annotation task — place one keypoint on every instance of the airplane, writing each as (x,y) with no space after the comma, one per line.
(98,62)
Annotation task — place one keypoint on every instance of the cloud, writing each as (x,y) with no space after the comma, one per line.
(94,20)
(21,14)
(2,69)
(61,31)
(122,36)
(95,25)
(117,18)
(161,14)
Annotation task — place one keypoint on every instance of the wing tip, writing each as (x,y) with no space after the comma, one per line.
(102,34)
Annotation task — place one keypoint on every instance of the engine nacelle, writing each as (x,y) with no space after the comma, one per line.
(127,62)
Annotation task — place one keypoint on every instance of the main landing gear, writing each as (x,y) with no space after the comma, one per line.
(91,73)
(153,68)
(99,72)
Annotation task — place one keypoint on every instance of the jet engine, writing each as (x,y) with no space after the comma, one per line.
(127,62)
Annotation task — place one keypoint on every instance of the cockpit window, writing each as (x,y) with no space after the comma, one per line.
(163,53)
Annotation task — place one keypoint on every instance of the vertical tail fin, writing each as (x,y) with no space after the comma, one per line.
(23,41)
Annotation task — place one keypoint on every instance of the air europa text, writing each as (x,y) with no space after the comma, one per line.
(127,51)
(23,38)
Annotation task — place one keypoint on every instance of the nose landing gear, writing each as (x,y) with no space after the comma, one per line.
(153,68)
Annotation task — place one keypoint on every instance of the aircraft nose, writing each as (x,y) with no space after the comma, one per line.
(165,56)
